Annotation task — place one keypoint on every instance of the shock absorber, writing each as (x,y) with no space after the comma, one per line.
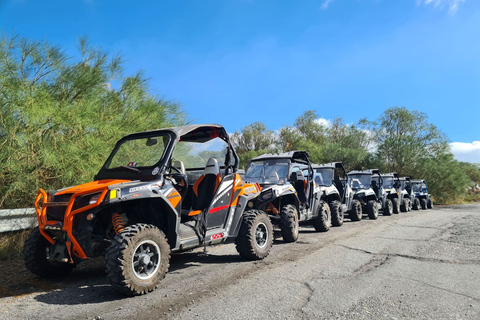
(272,207)
(117,223)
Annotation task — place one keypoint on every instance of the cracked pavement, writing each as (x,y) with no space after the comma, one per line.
(415,265)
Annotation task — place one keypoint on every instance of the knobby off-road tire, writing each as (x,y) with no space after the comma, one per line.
(388,208)
(336,211)
(396,205)
(405,206)
(289,223)
(416,204)
(323,221)
(255,237)
(356,213)
(137,259)
(35,251)
(430,203)
(372,209)
(423,203)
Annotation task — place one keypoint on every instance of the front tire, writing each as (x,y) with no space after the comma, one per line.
(430,203)
(137,259)
(396,205)
(336,211)
(372,209)
(423,203)
(388,209)
(255,237)
(323,221)
(404,207)
(289,223)
(416,204)
(35,251)
(356,213)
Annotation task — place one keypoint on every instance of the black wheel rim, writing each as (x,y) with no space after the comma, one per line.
(261,235)
(146,259)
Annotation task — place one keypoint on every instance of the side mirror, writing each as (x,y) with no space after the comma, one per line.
(151,142)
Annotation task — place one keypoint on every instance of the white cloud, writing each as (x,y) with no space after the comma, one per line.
(324,122)
(465,151)
(325,4)
(452,5)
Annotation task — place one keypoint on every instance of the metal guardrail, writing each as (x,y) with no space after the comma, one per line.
(17,219)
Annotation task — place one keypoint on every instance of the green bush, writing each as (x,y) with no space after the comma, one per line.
(60,116)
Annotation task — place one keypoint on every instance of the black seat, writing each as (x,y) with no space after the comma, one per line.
(339,186)
(205,187)
(298,181)
(375,188)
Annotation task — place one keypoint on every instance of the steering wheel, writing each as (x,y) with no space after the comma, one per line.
(175,169)
(179,179)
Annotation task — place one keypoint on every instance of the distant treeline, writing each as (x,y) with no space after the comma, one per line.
(399,141)
(60,117)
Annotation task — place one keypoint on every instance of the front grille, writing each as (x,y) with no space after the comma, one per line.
(57,213)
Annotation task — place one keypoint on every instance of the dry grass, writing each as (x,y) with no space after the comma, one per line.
(11,244)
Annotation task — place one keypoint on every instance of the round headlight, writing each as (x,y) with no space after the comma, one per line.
(93,199)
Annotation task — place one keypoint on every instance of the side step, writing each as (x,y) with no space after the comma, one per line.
(186,231)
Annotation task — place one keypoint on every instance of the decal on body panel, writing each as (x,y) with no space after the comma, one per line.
(224,188)
(139,188)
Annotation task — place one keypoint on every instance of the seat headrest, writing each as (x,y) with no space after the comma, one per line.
(212,167)
(297,176)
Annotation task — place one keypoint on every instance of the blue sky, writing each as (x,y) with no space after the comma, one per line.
(234,62)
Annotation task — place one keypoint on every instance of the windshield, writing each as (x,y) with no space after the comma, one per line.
(359,181)
(403,184)
(195,155)
(140,152)
(388,182)
(323,176)
(267,171)
(417,186)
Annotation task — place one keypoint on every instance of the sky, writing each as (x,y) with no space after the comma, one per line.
(235,62)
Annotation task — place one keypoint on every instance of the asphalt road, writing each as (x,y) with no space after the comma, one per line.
(416,265)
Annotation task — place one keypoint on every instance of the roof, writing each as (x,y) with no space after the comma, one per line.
(331,165)
(417,180)
(285,155)
(368,171)
(195,132)
(390,174)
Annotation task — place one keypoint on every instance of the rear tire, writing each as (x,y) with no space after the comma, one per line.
(35,251)
(289,223)
(336,211)
(388,209)
(416,204)
(396,205)
(372,209)
(255,237)
(430,203)
(323,221)
(137,259)
(423,203)
(356,213)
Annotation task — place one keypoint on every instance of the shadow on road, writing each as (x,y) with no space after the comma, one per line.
(88,282)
